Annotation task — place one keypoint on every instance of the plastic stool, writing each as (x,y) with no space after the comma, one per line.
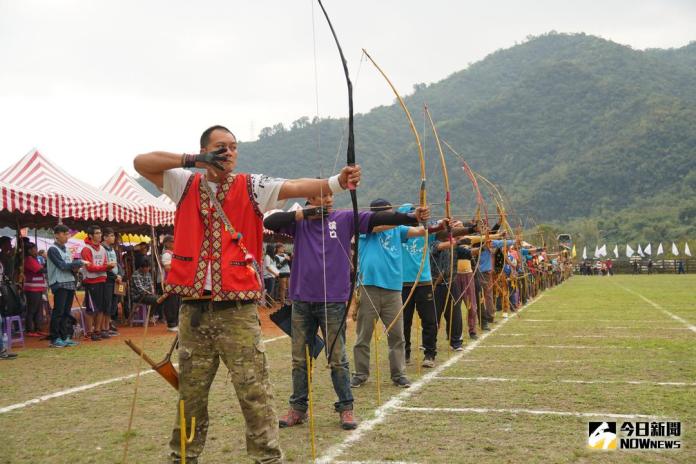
(8,330)
(138,314)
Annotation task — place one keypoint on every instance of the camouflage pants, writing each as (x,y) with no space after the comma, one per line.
(233,335)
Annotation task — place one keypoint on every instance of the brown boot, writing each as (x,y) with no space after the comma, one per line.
(348,422)
(293,417)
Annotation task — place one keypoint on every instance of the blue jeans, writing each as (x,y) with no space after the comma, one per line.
(306,319)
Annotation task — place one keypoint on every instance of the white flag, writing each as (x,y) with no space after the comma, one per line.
(596,252)
(687,252)
(640,251)
(616,251)
(675,251)
(648,249)
(629,251)
(603,250)
(584,252)
(660,250)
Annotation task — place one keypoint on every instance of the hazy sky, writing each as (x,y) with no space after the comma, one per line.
(91,83)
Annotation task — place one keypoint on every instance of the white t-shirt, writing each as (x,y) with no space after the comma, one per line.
(166,257)
(265,191)
(269,268)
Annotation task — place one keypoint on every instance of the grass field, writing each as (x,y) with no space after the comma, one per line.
(592,349)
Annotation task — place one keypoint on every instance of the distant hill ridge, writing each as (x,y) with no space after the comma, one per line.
(579,131)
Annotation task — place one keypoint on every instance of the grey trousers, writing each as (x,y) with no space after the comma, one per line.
(378,302)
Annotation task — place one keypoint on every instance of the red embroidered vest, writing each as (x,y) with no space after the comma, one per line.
(200,238)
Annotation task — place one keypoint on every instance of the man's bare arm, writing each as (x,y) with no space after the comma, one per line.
(152,165)
(308,188)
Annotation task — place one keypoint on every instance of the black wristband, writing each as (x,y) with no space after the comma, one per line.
(188,161)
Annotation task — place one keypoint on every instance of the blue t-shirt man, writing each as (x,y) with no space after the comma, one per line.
(485,260)
(380,258)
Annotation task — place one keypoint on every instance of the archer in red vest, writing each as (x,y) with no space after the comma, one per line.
(218,238)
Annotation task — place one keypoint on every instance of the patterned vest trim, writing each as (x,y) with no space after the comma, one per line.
(200,238)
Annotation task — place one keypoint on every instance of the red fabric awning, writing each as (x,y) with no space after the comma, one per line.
(122,185)
(36,185)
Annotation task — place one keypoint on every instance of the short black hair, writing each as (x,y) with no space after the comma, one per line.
(60,228)
(205,136)
(144,263)
(108,231)
(28,247)
(92,229)
(168,238)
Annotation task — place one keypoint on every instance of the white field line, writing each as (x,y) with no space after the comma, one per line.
(644,328)
(593,320)
(652,328)
(688,325)
(395,402)
(275,338)
(583,382)
(69,391)
(560,361)
(531,334)
(375,462)
(89,386)
(540,412)
(570,347)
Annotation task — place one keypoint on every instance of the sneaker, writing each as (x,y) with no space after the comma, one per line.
(458,348)
(173,329)
(505,315)
(357,382)
(402,382)
(485,327)
(104,334)
(428,362)
(95,337)
(69,342)
(348,421)
(113,333)
(7,355)
(473,336)
(292,418)
(58,343)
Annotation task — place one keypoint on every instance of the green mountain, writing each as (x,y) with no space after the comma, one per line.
(590,136)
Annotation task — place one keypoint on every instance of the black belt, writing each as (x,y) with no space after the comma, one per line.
(216,304)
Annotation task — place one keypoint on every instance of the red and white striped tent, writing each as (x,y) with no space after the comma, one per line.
(123,185)
(34,185)
(15,198)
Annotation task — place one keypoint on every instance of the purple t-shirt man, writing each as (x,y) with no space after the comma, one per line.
(311,254)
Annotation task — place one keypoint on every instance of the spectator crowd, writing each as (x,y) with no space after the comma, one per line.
(56,294)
